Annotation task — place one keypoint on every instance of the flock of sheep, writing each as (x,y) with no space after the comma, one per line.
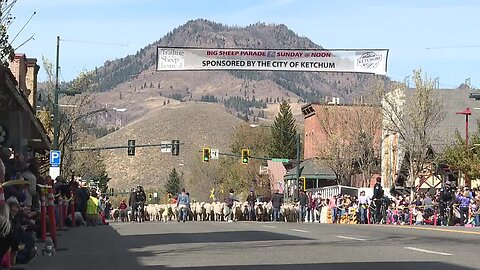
(216,211)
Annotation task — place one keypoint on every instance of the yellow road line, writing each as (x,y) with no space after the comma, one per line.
(446,230)
(418,228)
(438,229)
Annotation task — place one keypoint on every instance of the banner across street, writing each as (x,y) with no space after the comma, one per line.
(316,60)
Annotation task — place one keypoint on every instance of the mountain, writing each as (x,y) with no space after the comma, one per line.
(161,106)
(236,89)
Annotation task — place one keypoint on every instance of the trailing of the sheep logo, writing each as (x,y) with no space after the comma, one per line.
(369,60)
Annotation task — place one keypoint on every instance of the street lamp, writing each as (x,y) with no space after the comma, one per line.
(298,154)
(467,113)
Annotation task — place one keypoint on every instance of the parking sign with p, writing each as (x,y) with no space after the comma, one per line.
(55,158)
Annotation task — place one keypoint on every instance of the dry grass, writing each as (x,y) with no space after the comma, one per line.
(195,124)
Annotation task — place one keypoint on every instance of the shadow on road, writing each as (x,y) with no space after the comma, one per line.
(104,248)
(137,241)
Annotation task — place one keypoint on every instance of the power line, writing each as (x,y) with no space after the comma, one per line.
(102,43)
(453,47)
(23,27)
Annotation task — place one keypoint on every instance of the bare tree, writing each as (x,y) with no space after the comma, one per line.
(412,115)
(350,144)
(73,122)
(365,140)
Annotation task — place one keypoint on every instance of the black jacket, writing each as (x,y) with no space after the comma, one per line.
(251,199)
(277,200)
(140,196)
(377,191)
(132,199)
(303,199)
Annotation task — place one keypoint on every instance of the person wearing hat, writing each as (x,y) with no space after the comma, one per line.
(21,235)
(378,199)
(446,198)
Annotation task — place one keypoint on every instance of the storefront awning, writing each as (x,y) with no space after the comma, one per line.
(312,169)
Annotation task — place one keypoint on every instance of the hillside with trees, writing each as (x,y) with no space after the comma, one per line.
(240,91)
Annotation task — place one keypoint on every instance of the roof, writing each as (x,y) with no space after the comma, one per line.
(314,168)
(9,82)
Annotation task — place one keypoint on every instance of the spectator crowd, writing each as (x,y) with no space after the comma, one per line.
(398,210)
(20,207)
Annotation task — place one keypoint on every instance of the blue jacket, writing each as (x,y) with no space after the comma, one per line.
(464,201)
(183,199)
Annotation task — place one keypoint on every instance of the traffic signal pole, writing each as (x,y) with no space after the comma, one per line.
(121,146)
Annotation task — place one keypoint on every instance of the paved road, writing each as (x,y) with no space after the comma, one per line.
(263,246)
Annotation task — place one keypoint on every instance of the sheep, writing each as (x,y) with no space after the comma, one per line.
(219,210)
(268,209)
(159,210)
(168,212)
(200,211)
(259,211)
(209,211)
(152,212)
(237,211)
(193,211)
(115,213)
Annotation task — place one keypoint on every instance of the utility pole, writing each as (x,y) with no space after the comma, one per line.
(298,165)
(436,83)
(56,124)
(406,81)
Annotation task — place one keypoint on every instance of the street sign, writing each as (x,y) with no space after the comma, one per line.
(55,158)
(263,170)
(214,153)
(166,147)
(54,172)
(280,159)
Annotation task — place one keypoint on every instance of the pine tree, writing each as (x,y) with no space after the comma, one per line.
(284,132)
(173,183)
(102,181)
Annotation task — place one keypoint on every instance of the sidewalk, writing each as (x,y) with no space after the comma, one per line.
(86,248)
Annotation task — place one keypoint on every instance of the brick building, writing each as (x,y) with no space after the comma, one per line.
(22,130)
(326,121)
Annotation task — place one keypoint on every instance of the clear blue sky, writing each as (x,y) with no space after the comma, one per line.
(407,28)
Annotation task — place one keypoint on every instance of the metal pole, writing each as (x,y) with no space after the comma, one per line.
(466,129)
(56,123)
(298,165)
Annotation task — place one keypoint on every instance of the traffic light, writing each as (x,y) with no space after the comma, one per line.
(175,147)
(475,96)
(303,183)
(131,148)
(206,154)
(245,156)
